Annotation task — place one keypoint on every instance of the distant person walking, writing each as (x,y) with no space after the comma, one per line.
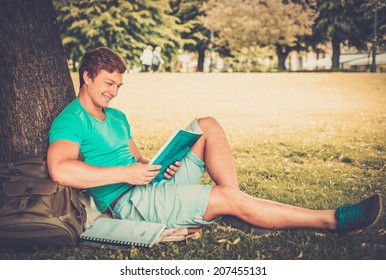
(157,60)
(146,58)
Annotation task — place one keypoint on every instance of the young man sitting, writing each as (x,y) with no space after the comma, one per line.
(118,177)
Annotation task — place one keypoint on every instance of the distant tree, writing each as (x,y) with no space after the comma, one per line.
(126,26)
(368,9)
(246,23)
(197,36)
(35,82)
(349,22)
(338,22)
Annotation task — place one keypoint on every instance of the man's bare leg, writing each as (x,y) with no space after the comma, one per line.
(213,148)
(226,198)
(264,213)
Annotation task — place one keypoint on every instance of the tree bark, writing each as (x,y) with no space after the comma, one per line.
(201,58)
(282,54)
(335,53)
(35,82)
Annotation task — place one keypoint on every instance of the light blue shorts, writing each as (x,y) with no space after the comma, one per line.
(179,202)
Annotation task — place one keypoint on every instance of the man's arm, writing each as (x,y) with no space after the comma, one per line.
(137,153)
(64,167)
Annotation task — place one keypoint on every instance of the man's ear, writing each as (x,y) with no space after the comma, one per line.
(86,77)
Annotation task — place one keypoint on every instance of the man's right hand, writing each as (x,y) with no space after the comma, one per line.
(141,174)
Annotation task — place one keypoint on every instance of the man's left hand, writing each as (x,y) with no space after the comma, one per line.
(171,171)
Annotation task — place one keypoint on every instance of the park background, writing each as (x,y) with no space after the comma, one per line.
(314,139)
(231,35)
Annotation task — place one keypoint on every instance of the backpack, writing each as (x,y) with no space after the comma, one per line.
(34,210)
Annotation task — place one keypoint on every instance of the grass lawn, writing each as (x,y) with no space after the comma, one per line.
(314,140)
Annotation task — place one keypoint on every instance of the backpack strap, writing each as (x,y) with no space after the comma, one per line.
(13,170)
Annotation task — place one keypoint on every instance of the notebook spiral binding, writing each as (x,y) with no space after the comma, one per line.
(111,241)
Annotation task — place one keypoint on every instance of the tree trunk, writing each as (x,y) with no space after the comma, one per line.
(35,82)
(335,53)
(201,58)
(282,54)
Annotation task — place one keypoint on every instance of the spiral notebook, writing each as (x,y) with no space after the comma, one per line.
(115,233)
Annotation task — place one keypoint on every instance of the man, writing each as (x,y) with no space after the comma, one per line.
(118,177)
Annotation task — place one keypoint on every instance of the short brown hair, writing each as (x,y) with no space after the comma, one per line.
(101,59)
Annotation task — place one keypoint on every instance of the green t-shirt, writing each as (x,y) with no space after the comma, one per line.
(102,143)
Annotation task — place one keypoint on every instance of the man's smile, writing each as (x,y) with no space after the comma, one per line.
(107,96)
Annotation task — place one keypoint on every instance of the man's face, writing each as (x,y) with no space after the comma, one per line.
(104,87)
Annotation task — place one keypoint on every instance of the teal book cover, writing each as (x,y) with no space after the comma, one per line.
(175,148)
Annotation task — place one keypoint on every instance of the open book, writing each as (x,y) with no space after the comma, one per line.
(175,148)
(115,233)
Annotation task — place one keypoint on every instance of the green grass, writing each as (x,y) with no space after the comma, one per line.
(311,140)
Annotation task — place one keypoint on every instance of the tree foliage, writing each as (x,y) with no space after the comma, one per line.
(126,26)
(349,22)
(197,37)
(241,26)
(247,23)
